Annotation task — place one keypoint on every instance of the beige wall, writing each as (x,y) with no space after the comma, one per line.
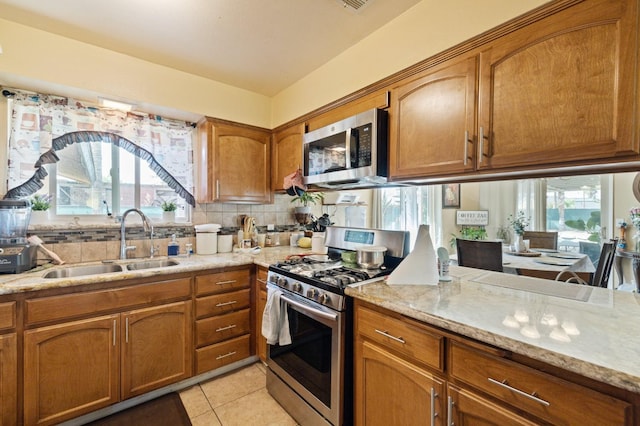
(424,30)
(31,54)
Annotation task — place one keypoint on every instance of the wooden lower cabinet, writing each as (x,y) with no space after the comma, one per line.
(71,369)
(391,390)
(157,347)
(8,379)
(465,407)
(397,384)
(77,367)
(261,302)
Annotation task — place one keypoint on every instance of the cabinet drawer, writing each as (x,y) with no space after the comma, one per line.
(97,302)
(222,303)
(7,315)
(418,342)
(543,395)
(216,356)
(261,278)
(222,327)
(221,282)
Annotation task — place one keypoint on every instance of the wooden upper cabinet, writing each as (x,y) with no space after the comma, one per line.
(432,121)
(233,163)
(561,90)
(287,154)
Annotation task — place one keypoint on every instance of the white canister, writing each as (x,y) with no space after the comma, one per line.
(317,243)
(225,243)
(206,242)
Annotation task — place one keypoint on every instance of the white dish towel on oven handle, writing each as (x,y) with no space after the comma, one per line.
(275,319)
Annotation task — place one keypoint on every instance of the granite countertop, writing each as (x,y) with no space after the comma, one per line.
(33,280)
(590,331)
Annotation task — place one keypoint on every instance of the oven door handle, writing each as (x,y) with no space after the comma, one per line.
(310,309)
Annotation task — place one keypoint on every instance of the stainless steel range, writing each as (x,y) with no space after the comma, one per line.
(312,376)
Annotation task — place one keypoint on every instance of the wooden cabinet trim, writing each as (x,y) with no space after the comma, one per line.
(75,305)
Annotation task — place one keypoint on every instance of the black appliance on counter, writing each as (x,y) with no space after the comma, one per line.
(312,377)
(16,254)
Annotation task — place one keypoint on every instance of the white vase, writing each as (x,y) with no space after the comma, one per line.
(518,244)
(169,217)
(39,217)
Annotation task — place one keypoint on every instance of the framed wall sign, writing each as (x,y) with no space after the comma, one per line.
(472,217)
(451,196)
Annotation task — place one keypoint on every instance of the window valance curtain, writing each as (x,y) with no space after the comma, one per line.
(42,124)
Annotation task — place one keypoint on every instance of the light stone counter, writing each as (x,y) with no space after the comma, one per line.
(597,338)
(33,280)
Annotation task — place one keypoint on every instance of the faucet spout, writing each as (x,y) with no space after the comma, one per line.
(146,223)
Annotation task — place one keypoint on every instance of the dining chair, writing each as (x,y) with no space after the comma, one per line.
(480,254)
(600,278)
(592,250)
(540,239)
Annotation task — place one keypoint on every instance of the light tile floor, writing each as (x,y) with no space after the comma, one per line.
(238,398)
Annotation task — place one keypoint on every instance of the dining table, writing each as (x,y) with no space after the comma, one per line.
(546,260)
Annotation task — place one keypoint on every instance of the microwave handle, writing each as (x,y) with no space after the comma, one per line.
(347,154)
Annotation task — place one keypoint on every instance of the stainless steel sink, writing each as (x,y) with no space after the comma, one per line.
(152,263)
(77,271)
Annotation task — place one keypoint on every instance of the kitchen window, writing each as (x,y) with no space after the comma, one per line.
(406,208)
(96,161)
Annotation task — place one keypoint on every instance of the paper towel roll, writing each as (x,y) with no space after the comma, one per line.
(420,267)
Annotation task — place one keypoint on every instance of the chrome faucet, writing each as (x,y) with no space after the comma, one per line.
(146,223)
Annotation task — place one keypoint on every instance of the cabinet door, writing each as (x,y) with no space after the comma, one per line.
(467,408)
(70,369)
(287,154)
(560,91)
(156,348)
(8,379)
(261,301)
(433,122)
(233,163)
(392,391)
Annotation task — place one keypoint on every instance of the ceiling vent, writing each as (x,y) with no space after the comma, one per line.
(354,4)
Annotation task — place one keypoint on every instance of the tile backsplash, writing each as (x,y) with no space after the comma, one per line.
(77,242)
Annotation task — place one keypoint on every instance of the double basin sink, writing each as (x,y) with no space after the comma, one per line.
(105,268)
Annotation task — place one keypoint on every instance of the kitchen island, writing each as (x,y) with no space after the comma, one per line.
(583,334)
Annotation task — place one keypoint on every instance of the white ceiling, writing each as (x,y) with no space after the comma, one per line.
(260,45)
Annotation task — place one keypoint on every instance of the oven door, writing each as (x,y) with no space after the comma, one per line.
(312,365)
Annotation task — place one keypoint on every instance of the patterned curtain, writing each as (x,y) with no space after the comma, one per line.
(42,124)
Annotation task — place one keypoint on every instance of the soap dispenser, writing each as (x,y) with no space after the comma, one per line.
(173,247)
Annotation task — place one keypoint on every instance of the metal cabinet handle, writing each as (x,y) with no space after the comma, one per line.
(434,414)
(126,330)
(531,396)
(225,282)
(466,145)
(217,188)
(386,334)
(261,281)
(229,327)
(481,144)
(226,355)
(114,332)
(450,403)
(225,303)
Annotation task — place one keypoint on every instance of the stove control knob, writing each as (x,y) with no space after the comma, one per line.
(325,299)
(297,287)
(282,282)
(312,293)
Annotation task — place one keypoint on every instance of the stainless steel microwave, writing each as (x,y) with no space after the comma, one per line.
(349,153)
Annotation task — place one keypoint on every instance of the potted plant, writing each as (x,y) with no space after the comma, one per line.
(518,222)
(40,205)
(169,211)
(303,212)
